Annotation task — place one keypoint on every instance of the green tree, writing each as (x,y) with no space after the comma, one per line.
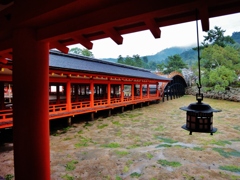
(120,59)
(216,36)
(174,63)
(160,67)
(138,62)
(76,50)
(219,78)
(152,65)
(129,61)
(215,56)
(86,52)
(83,52)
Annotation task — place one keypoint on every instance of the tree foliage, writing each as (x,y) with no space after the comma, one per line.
(218,79)
(137,61)
(83,52)
(215,56)
(174,63)
(220,61)
(216,36)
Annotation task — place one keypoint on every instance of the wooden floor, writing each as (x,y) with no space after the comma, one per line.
(60,110)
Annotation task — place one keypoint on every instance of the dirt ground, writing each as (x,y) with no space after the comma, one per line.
(146,143)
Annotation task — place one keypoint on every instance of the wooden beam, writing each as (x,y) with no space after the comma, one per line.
(204,16)
(84,41)
(114,35)
(154,28)
(59,46)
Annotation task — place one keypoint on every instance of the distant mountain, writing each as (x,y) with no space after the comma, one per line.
(188,55)
(236,37)
(162,55)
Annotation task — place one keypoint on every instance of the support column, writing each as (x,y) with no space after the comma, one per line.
(2,96)
(109,93)
(132,91)
(148,90)
(109,112)
(68,96)
(31,106)
(157,90)
(92,94)
(141,94)
(92,116)
(69,121)
(122,93)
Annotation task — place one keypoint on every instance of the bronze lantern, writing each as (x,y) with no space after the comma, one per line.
(199,117)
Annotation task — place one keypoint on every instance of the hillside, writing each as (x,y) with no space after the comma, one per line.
(187,53)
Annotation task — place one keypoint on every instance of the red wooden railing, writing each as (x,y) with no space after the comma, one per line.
(61,110)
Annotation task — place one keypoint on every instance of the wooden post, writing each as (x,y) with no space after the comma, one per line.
(92,116)
(68,96)
(31,106)
(141,94)
(109,112)
(122,109)
(148,90)
(92,94)
(109,93)
(69,121)
(122,92)
(132,91)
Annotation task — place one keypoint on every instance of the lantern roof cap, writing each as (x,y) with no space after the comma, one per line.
(199,108)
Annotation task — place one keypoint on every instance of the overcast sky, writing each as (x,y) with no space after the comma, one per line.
(143,43)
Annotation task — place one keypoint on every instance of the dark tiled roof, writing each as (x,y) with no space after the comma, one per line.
(74,62)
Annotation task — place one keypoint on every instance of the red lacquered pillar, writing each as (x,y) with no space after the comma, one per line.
(30,112)
(132,91)
(141,91)
(68,96)
(109,93)
(122,92)
(92,94)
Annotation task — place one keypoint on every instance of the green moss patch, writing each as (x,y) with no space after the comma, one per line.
(228,153)
(111,145)
(70,166)
(235,169)
(169,163)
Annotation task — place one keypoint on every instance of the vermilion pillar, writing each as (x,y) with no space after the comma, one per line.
(92,94)
(132,91)
(122,92)
(109,93)
(141,91)
(148,91)
(68,96)
(30,112)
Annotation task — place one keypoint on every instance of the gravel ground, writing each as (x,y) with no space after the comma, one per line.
(146,143)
